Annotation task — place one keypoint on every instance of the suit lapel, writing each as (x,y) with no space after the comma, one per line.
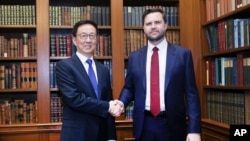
(142,60)
(86,82)
(170,64)
(99,77)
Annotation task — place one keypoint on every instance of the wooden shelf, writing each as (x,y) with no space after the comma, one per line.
(46,131)
(227,52)
(216,126)
(242,12)
(18,58)
(243,88)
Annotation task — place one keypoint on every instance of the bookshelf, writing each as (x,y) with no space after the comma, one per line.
(225,48)
(43,28)
(18,57)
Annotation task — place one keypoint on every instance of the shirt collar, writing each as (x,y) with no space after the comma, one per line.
(83,58)
(160,46)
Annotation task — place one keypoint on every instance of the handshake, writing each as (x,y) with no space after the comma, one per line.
(116,108)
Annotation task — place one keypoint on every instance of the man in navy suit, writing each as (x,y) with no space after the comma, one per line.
(179,116)
(87,109)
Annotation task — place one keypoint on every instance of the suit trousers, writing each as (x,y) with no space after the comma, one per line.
(155,129)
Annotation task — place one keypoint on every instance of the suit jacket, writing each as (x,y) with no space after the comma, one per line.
(180,91)
(85,117)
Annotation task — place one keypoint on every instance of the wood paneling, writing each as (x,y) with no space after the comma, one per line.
(43,42)
(190,13)
(20,137)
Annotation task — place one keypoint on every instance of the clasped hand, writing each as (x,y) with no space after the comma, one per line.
(116,108)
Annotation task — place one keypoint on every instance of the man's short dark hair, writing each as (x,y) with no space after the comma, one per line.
(153,10)
(83,22)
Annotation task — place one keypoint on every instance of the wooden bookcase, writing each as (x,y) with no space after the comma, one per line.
(189,13)
(219,95)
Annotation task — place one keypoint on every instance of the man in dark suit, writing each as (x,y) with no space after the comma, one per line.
(87,109)
(178,100)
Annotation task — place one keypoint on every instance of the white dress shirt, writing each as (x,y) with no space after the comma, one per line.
(162,64)
(86,65)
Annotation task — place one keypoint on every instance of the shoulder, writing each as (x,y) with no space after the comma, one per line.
(65,61)
(178,47)
(142,50)
(73,60)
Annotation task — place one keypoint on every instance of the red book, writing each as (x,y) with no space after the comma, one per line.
(20,48)
(101,45)
(68,45)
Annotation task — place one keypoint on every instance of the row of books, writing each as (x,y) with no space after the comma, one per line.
(53,83)
(56,109)
(68,15)
(228,71)
(133,14)
(62,45)
(228,34)
(18,75)
(229,107)
(23,45)
(217,8)
(17,15)
(135,39)
(18,112)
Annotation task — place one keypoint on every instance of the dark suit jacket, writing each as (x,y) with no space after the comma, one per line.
(85,117)
(180,89)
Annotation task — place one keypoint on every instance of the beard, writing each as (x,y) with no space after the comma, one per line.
(157,38)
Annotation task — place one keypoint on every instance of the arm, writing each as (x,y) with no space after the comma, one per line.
(192,97)
(126,95)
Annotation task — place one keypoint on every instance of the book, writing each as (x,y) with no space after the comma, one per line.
(25,44)
(247,107)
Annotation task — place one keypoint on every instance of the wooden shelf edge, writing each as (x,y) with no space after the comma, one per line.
(30,128)
(18,26)
(218,127)
(243,88)
(18,90)
(228,15)
(49,127)
(227,52)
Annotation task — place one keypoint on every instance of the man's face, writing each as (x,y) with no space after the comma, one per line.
(154,27)
(86,39)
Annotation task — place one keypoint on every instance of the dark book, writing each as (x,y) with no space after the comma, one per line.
(52,45)
(247,107)
(57,38)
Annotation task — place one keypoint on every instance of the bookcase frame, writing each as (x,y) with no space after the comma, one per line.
(190,36)
(214,130)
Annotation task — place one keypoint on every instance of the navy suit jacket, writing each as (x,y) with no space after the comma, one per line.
(181,95)
(85,116)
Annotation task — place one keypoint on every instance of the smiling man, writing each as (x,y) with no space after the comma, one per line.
(160,80)
(85,89)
